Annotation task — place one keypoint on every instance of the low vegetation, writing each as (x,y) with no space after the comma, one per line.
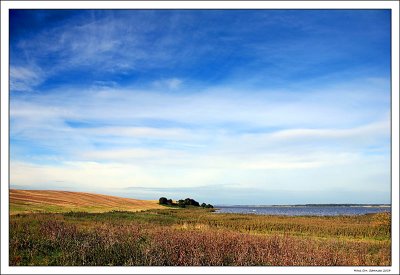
(197,236)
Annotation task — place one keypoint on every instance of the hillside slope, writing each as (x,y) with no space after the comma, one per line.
(25,201)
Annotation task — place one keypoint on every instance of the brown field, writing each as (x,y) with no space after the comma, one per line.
(28,201)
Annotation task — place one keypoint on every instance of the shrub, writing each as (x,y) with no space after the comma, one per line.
(189,201)
(163,200)
(181,203)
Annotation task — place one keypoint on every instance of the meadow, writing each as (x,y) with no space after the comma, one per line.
(197,237)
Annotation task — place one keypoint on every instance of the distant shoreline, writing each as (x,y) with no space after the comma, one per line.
(309,205)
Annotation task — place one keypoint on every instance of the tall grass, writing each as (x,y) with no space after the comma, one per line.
(190,237)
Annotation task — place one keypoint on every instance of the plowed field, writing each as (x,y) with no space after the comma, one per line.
(23,201)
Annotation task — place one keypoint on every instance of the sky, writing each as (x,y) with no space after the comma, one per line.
(223,106)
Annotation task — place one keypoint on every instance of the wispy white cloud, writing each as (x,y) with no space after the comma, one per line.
(25,78)
(224,120)
(140,132)
(110,43)
(170,83)
(338,108)
(124,155)
(361,135)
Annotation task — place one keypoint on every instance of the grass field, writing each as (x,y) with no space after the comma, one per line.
(192,236)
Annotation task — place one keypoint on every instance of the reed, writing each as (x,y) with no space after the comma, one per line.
(189,237)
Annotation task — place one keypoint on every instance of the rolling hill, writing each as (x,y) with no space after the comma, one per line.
(25,201)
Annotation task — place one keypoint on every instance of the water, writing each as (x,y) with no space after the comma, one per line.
(303,210)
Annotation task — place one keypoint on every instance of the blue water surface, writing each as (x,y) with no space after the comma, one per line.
(303,210)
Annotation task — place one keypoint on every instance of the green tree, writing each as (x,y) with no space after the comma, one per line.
(163,200)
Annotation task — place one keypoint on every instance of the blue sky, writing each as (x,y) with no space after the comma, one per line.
(225,106)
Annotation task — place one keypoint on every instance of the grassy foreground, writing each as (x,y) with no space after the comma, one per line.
(162,237)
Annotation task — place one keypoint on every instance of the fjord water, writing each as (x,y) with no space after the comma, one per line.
(304,210)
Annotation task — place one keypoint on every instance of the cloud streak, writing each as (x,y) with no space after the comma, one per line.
(23,78)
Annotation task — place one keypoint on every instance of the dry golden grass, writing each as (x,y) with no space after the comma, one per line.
(27,201)
(168,238)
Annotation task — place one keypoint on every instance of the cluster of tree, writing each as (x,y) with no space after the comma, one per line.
(204,205)
(183,203)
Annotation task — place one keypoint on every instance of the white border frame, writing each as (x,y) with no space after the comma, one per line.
(5,6)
